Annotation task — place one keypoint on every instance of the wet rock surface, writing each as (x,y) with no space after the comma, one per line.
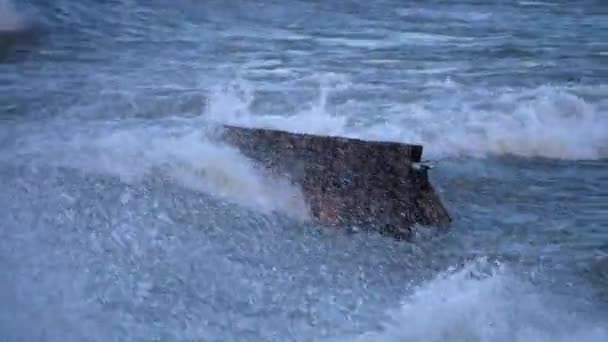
(370,184)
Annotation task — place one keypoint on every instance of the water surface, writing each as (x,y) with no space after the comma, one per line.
(122,221)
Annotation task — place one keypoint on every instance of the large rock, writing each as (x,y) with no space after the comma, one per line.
(367,184)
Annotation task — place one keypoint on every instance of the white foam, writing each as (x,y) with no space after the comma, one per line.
(231,104)
(483,303)
(456,120)
(179,149)
(544,122)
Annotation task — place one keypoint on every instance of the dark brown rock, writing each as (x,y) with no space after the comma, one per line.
(368,184)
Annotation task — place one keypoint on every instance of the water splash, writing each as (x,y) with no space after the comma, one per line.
(453,121)
(178,149)
(545,122)
(483,302)
(232,104)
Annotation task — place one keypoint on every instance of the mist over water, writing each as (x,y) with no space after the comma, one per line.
(125,220)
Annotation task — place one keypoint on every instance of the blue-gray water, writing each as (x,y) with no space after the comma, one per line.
(120,221)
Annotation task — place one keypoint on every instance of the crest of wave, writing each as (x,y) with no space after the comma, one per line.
(483,303)
(549,121)
(545,122)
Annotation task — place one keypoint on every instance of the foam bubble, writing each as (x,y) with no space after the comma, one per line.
(482,302)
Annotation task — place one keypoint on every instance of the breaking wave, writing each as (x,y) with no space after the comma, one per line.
(545,122)
(179,150)
(550,122)
(483,303)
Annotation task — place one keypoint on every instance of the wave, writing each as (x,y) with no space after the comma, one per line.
(178,150)
(483,302)
(453,121)
(547,122)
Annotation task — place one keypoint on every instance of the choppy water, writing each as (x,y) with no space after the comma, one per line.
(121,221)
